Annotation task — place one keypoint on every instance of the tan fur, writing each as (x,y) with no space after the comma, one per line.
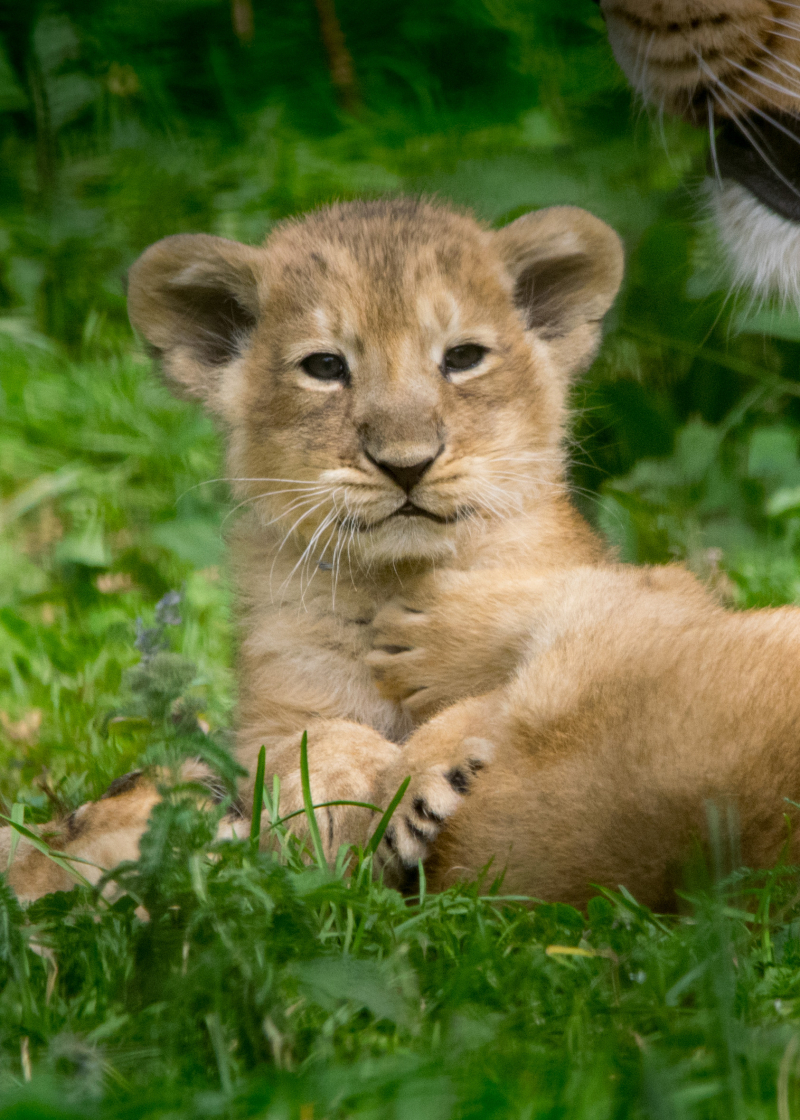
(591,709)
(101,834)
(389,286)
(639,704)
(684,54)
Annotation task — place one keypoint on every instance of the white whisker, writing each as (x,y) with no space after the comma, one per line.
(290,509)
(737,120)
(641,65)
(755,76)
(783,35)
(285,539)
(758,149)
(791,24)
(781,62)
(337,555)
(713,139)
(315,568)
(269,494)
(306,553)
(233,478)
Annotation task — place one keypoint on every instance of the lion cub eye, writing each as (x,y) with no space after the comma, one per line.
(325,367)
(464,357)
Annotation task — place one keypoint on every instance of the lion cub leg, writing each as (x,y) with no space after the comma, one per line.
(350,762)
(104,833)
(345,761)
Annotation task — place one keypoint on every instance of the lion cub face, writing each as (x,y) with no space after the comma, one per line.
(388,372)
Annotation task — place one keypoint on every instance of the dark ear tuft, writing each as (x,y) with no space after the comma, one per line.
(195,300)
(566,266)
(543,290)
(122,785)
(216,324)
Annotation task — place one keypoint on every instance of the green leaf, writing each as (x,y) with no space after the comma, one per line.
(18,817)
(783,501)
(58,858)
(779,323)
(331,981)
(258,799)
(383,823)
(316,839)
(87,546)
(196,540)
(12,95)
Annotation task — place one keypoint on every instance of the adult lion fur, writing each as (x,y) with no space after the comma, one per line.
(732,67)
(416,590)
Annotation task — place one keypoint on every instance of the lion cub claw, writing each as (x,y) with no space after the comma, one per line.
(437,788)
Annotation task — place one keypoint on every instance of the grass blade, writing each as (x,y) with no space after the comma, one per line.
(316,839)
(326,804)
(220,1051)
(58,858)
(276,800)
(18,816)
(258,800)
(383,823)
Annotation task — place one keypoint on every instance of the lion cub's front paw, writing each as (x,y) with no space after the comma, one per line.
(437,788)
(346,763)
(418,655)
(399,661)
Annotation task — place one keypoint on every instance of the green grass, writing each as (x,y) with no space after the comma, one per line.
(263,988)
(264,985)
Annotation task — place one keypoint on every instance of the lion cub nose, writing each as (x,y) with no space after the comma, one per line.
(405,477)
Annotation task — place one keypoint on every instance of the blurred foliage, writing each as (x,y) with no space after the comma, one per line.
(104,511)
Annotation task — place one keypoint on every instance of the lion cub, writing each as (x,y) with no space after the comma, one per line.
(416,590)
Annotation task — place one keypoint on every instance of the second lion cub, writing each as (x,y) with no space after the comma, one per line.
(416,590)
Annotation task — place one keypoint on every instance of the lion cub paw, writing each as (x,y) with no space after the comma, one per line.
(435,792)
(449,636)
(418,644)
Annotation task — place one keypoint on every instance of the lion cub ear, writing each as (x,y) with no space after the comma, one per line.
(195,300)
(566,266)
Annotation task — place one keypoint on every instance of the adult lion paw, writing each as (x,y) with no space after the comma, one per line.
(442,775)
